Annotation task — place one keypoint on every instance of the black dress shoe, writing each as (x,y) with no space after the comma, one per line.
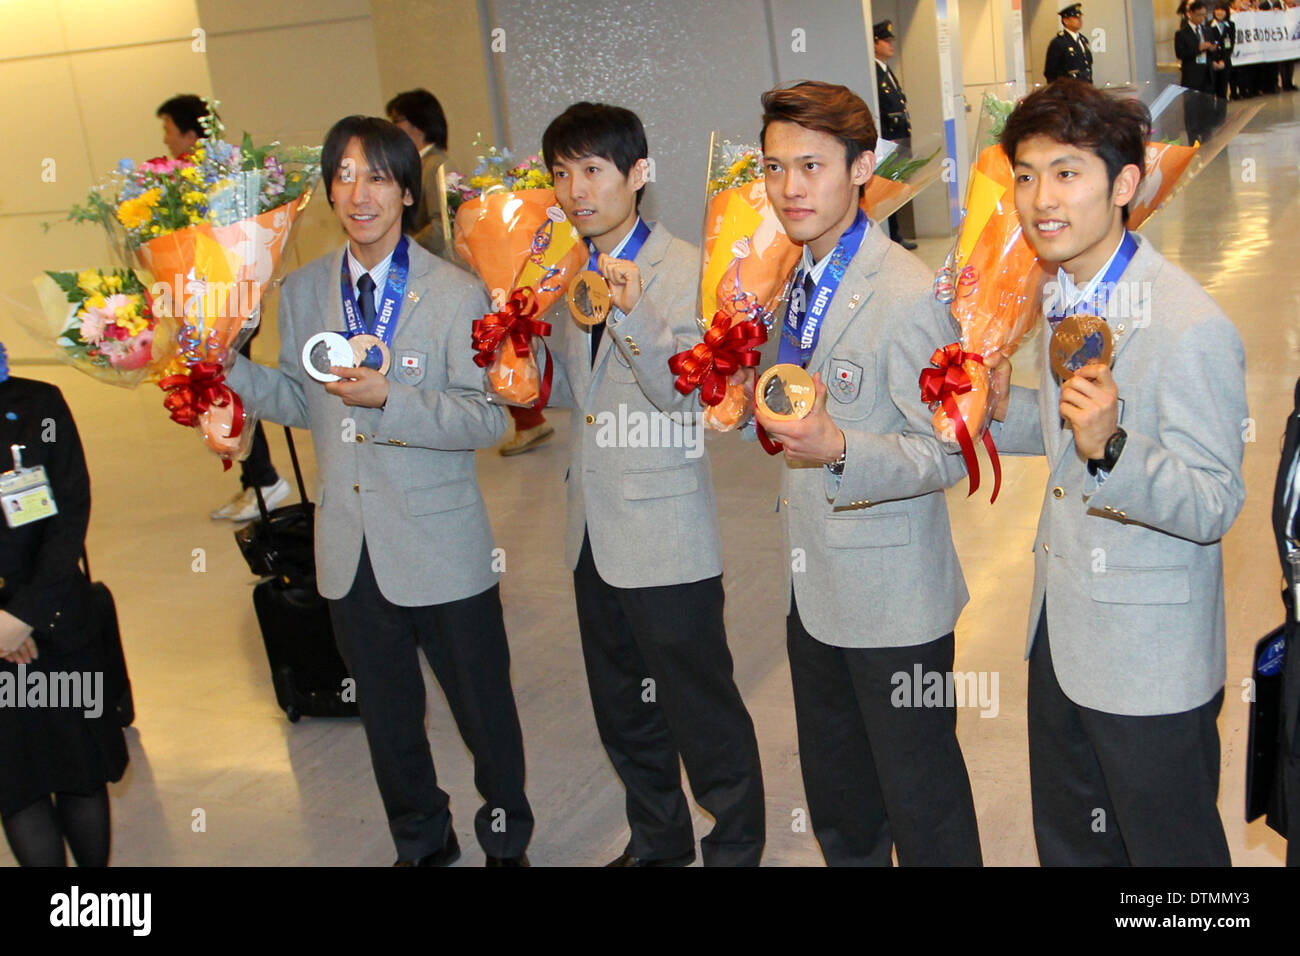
(521,860)
(907,244)
(627,859)
(446,856)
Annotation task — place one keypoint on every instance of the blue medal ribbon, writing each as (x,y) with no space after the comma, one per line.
(390,305)
(640,233)
(1094,303)
(803,324)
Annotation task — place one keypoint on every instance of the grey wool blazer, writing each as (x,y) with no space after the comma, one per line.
(1131,568)
(639,479)
(402,478)
(871,557)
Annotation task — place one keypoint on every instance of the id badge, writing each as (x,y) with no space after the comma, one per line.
(25,496)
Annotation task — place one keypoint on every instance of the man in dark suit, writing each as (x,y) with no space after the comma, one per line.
(1194,46)
(1286,525)
(1069,53)
(895,123)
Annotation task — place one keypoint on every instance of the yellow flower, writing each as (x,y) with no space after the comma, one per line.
(89,280)
(193,197)
(113,283)
(96,301)
(130,320)
(134,213)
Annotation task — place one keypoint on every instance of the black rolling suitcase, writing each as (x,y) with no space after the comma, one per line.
(117,683)
(308,674)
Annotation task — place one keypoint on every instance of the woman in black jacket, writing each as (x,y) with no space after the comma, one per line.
(60,749)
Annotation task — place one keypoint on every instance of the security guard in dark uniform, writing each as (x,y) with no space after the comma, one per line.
(1069,54)
(895,124)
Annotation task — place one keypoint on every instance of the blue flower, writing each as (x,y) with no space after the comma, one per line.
(125,166)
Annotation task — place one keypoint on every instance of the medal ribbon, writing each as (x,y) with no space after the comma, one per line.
(630,247)
(1094,302)
(390,306)
(803,325)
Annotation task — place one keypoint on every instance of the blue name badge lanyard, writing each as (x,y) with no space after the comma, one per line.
(390,306)
(803,320)
(1095,302)
(631,246)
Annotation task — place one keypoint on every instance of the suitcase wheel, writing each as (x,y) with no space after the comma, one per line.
(293,713)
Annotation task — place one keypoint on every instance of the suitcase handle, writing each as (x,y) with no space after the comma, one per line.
(297,474)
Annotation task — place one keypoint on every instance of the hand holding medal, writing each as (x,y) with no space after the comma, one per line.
(790,407)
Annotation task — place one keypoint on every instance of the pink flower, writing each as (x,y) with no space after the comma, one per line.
(92,325)
(132,356)
(163,165)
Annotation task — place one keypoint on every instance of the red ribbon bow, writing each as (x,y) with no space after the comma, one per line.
(726,349)
(516,323)
(941,384)
(192,393)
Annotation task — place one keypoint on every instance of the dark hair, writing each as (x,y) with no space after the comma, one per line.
(1195,5)
(828,108)
(1070,111)
(597,129)
(386,147)
(422,110)
(186,110)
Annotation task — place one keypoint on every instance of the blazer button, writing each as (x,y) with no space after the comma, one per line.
(627,339)
(635,350)
(357,489)
(1058,492)
(785,501)
(1046,549)
(590,419)
(361,439)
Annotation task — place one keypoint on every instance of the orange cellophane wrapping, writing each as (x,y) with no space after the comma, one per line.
(741,219)
(882,194)
(997,291)
(217,276)
(494,236)
(248,252)
(1165,163)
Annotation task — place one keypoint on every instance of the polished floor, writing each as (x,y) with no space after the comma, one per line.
(218,776)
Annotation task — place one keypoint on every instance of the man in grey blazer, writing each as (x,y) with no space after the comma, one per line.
(874,583)
(1126,641)
(403,544)
(642,532)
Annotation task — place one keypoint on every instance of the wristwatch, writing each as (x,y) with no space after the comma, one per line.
(1111,453)
(836,467)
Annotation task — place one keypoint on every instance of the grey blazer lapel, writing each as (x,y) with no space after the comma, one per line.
(647,261)
(1139,276)
(854,293)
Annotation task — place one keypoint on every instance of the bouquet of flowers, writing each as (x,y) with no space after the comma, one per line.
(899,175)
(510,230)
(103,323)
(992,278)
(212,231)
(746,264)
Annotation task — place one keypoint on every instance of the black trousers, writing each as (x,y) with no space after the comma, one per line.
(465,643)
(257,469)
(660,676)
(877,775)
(1116,790)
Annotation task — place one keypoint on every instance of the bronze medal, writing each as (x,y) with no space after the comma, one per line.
(785,392)
(1079,340)
(370,351)
(588,298)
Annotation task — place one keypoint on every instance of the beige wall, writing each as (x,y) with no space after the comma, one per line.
(79,83)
